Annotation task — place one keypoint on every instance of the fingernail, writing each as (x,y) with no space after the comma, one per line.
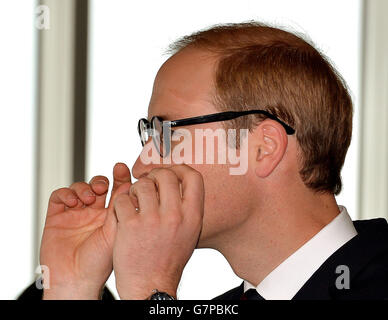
(101,181)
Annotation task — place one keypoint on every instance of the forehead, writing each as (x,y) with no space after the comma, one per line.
(184,86)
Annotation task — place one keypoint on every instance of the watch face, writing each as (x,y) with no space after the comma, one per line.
(161,296)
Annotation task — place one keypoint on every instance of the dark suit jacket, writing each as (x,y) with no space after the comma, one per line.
(366,256)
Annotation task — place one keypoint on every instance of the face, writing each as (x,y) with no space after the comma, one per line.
(184,88)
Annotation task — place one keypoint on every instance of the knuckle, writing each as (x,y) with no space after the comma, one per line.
(79,185)
(184,165)
(196,176)
(144,184)
(155,170)
(164,174)
(61,192)
(120,199)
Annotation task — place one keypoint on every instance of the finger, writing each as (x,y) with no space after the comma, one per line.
(60,199)
(167,184)
(192,184)
(80,204)
(124,208)
(84,192)
(144,190)
(124,188)
(111,219)
(100,186)
(121,175)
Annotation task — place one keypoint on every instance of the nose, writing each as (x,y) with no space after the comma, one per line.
(142,168)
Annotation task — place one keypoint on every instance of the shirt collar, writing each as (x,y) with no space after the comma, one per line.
(288,278)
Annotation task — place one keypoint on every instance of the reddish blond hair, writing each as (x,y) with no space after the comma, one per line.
(278,71)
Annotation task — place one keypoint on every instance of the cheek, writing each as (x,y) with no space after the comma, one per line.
(215,179)
(226,198)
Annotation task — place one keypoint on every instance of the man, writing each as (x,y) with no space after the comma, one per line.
(277,223)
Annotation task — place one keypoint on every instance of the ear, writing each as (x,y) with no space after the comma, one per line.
(271,146)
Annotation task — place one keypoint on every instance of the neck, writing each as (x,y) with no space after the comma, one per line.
(273,233)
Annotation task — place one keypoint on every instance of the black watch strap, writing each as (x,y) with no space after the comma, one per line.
(157,295)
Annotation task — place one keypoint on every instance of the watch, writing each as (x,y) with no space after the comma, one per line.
(157,295)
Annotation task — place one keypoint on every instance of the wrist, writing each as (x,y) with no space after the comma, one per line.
(143,292)
(72,292)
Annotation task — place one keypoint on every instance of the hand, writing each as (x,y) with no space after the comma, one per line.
(154,244)
(78,237)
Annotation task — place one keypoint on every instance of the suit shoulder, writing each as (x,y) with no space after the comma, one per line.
(372,225)
(232,294)
(371,282)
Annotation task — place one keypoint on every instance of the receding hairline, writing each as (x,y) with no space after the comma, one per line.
(251,28)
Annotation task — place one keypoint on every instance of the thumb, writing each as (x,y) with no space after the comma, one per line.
(121,175)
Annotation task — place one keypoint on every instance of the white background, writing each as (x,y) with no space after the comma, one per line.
(17,119)
(127,42)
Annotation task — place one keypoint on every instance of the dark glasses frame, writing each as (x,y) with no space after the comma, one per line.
(215,117)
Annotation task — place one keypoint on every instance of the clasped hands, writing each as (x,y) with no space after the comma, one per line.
(146,234)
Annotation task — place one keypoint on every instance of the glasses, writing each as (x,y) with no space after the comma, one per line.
(160,129)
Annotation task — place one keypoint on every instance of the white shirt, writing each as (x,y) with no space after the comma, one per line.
(288,278)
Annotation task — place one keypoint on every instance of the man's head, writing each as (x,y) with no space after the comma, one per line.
(239,66)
